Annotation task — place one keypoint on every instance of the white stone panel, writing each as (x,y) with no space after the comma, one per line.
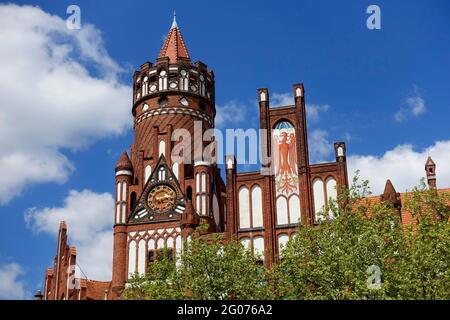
(197,183)
(319,198)
(132,258)
(331,192)
(244,208)
(246,243)
(118,213)
(160,244)
(141,257)
(204,205)
(124,212)
(203,186)
(148,172)
(175,169)
(282,241)
(258,247)
(119,191)
(162,147)
(294,209)
(282,211)
(151,245)
(170,243)
(197,203)
(124,191)
(257,207)
(331,188)
(216,210)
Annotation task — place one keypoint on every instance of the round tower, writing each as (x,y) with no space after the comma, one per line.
(171,99)
(166,186)
(124,174)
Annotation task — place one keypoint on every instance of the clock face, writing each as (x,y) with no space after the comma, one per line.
(161,198)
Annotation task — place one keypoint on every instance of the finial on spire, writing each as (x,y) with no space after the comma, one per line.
(174,23)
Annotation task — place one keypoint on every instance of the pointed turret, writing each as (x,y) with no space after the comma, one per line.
(391,195)
(430,168)
(124,163)
(174,46)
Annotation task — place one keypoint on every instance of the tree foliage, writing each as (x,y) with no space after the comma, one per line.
(208,268)
(363,252)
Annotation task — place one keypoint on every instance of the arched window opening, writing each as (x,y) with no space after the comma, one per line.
(189,193)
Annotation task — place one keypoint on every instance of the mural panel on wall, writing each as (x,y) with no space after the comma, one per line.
(285,159)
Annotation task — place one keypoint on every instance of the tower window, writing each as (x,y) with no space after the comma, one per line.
(170,255)
(184,102)
(163,102)
(189,192)
(132,200)
(151,256)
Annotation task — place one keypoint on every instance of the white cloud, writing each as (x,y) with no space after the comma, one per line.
(11,286)
(233,112)
(313,111)
(59,90)
(415,106)
(281,99)
(320,147)
(403,165)
(89,218)
(230,113)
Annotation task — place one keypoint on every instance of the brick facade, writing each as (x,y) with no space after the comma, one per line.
(159,201)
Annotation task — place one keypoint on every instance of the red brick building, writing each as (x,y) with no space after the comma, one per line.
(161,198)
(60,281)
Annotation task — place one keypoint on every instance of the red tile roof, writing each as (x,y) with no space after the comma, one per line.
(174,46)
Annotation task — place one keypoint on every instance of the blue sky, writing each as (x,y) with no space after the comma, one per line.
(385,92)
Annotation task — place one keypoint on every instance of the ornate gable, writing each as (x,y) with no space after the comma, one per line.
(161,199)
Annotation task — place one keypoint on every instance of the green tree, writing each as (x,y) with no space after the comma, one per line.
(340,258)
(363,252)
(423,272)
(208,268)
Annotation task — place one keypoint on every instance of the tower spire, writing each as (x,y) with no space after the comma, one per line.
(174,23)
(174,47)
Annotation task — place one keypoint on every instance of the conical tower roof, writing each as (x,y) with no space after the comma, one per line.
(174,46)
(124,162)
